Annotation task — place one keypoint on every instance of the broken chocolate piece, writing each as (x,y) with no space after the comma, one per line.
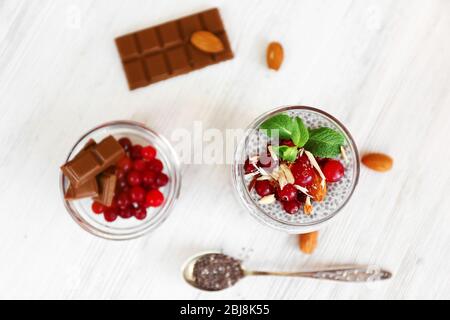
(107,182)
(92,161)
(87,189)
(83,168)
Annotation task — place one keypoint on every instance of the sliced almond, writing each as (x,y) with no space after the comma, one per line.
(263,178)
(308,242)
(316,166)
(288,173)
(251,174)
(268,199)
(282,180)
(302,189)
(300,153)
(207,42)
(275,174)
(275,56)
(262,171)
(344,154)
(378,161)
(253,160)
(308,208)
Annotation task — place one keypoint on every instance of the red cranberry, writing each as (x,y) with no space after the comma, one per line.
(291,207)
(120,174)
(303,172)
(136,152)
(333,170)
(288,143)
(125,143)
(125,164)
(161,179)
(121,184)
(154,198)
(134,178)
(288,193)
(263,188)
(155,165)
(126,213)
(140,213)
(110,214)
(97,207)
(148,153)
(139,165)
(145,204)
(249,167)
(148,178)
(137,194)
(322,161)
(123,200)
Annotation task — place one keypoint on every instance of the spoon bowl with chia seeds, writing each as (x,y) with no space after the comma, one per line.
(212,271)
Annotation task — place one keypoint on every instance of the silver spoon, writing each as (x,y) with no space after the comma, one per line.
(353,273)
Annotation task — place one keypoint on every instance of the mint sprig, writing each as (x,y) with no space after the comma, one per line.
(325,142)
(322,142)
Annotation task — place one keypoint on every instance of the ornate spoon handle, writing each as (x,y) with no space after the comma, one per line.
(344,274)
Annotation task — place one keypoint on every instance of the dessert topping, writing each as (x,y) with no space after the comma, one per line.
(288,173)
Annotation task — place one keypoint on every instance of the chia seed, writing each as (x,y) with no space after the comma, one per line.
(215,272)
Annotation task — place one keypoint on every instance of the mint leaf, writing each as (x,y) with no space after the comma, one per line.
(325,142)
(300,135)
(296,135)
(286,153)
(281,123)
(279,150)
(290,154)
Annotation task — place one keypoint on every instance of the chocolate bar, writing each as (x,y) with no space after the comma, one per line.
(107,182)
(94,160)
(165,51)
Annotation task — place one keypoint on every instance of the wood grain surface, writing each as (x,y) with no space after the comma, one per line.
(380,66)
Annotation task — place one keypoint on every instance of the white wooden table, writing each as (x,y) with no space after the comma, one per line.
(382,67)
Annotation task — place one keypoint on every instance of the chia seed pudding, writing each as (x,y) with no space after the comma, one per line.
(215,272)
(275,213)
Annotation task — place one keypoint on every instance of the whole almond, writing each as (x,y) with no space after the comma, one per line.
(308,242)
(275,56)
(378,161)
(207,42)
